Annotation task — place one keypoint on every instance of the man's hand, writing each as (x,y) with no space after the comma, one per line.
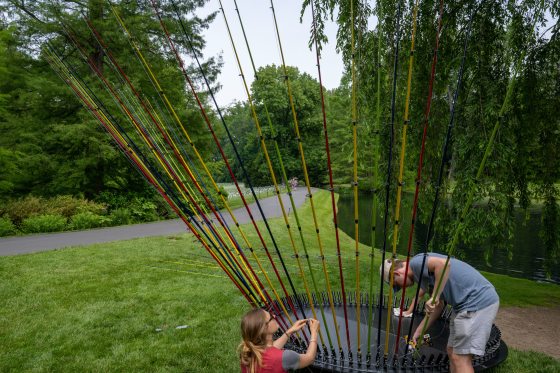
(431,305)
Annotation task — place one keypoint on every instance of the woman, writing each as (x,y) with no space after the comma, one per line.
(260,354)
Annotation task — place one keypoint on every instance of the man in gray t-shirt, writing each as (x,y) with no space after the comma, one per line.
(473,298)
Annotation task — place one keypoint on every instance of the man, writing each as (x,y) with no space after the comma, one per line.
(473,298)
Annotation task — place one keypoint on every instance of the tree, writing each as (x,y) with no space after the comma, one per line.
(55,145)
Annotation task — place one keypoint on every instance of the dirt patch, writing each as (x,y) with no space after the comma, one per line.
(531,328)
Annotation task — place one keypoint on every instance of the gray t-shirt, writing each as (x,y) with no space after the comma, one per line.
(290,360)
(466,289)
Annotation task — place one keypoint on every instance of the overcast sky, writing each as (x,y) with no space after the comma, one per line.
(259,26)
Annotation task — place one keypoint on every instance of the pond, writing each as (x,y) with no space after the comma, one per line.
(527,246)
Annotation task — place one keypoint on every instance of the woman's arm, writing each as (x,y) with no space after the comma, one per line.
(309,356)
(298,325)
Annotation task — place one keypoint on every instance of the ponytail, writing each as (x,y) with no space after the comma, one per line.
(250,355)
(253,344)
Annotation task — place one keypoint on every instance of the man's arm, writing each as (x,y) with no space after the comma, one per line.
(441,271)
(430,318)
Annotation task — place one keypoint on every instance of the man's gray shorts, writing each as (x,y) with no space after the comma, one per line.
(470,330)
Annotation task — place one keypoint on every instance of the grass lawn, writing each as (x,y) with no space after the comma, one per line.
(117,306)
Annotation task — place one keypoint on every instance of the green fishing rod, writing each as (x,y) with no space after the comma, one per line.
(355,177)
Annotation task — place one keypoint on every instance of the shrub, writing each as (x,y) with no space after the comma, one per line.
(87,220)
(21,209)
(143,210)
(69,206)
(7,228)
(121,216)
(44,223)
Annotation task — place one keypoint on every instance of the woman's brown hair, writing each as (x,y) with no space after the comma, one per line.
(253,333)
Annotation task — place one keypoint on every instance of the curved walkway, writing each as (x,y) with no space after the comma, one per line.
(41,242)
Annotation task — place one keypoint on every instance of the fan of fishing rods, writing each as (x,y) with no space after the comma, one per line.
(151,134)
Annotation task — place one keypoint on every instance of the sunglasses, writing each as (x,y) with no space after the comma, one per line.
(272,317)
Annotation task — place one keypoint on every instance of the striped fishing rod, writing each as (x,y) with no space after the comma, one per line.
(470,197)
(96,108)
(419,175)
(229,167)
(141,131)
(375,188)
(406,122)
(307,183)
(272,173)
(331,183)
(388,180)
(355,175)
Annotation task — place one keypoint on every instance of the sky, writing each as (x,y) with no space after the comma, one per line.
(259,26)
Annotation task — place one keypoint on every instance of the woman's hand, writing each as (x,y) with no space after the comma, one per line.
(314,326)
(298,325)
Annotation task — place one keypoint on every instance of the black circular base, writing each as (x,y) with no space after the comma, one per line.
(370,356)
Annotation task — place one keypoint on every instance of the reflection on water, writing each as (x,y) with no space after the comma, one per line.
(526,246)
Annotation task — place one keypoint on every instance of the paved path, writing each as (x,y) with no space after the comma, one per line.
(50,241)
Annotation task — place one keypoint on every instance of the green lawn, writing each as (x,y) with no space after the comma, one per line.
(115,307)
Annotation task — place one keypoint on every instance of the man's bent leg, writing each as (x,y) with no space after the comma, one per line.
(451,363)
(461,363)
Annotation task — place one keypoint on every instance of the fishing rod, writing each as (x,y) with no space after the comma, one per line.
(307,183)
(246,176)
(355,180)
(440,173)
(141,131)
(94,108)
(374,182)
(406,122)
(419,173)
(388,181)
(279,156)
(289,192)
(331,183)
(488,149)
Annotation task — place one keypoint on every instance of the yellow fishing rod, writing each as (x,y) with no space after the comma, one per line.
(271,171)
(406,122)
(307,184)
(355,180)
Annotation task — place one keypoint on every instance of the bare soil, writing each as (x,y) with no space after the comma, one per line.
(531,328)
